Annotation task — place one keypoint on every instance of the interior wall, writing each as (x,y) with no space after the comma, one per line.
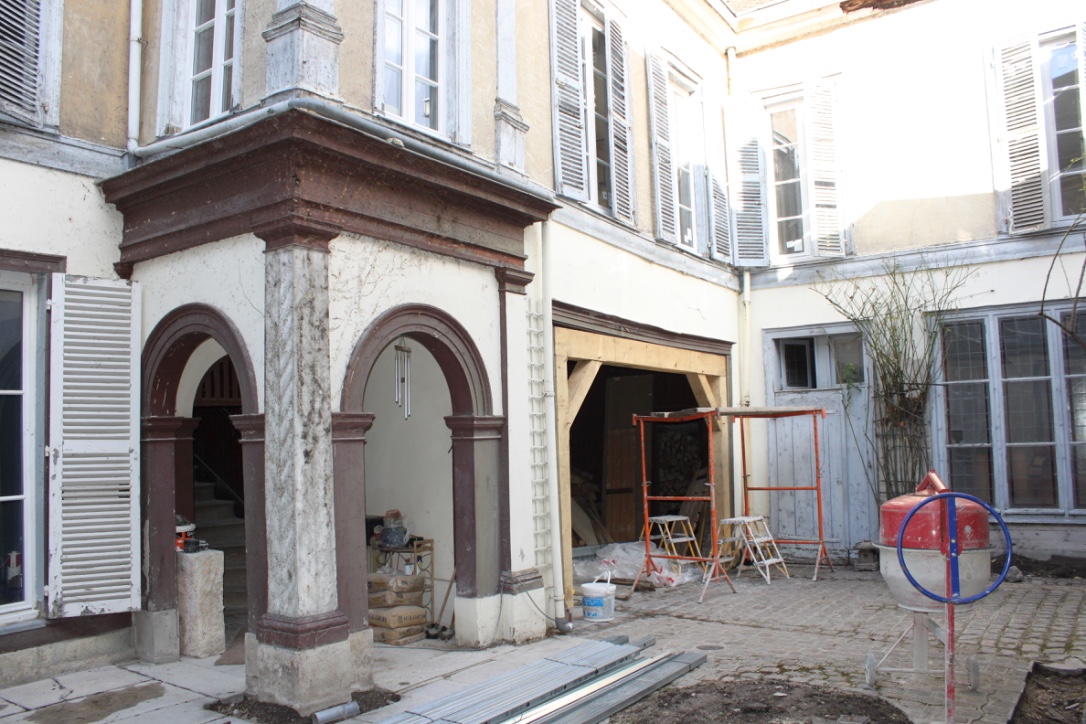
(409,462)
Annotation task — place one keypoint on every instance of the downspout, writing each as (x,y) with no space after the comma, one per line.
(744,359)
(135,70)
(562,620)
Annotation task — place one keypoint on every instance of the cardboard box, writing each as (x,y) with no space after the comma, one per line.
(385,599)
(397,582)
(398,616)
(395,635)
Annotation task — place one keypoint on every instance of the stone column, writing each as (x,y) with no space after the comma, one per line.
(165,458)
(349,465)
(301,657)
(303,49)
(251,428)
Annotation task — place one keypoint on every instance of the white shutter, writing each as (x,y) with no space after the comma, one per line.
(720,232)
(20,54)
(94,563)
(747,126)
(663,168)
(621,139)
(1022,146)
(571,144)
(824,173)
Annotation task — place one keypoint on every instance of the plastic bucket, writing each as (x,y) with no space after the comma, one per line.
(598,601)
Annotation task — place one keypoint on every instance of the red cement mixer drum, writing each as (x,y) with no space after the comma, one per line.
(924,546)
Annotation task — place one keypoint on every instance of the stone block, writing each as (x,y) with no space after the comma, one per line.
(199,603)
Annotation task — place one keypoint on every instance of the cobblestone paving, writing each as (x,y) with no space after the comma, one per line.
(821,632)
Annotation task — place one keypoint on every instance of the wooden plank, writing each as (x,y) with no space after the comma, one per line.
(565,512)
(580,382)
(582,524)
(619,352)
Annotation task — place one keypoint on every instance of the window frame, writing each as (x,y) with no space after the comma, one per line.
(1046,44)
(32,496)
(994,384)
(217,71)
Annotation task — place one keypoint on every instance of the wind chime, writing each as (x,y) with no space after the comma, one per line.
(403,377)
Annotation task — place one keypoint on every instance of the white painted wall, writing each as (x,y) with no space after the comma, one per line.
(53,212)
(227,275)
(367,277)
(409,462)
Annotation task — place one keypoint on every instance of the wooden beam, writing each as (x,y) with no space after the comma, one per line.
(615,351)
(580,382)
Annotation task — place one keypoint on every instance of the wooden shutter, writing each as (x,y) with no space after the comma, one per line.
(571,144)
(747,126)
(94,562)
(720,232)
(1022,143)
(824,172)
(621,140)
(663,168)
(20,54)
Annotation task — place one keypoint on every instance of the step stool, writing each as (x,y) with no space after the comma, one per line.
(674,533)
(749,537)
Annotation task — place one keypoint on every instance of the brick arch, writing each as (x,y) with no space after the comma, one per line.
(477,435)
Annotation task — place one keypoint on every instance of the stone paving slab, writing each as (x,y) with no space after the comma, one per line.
(821,632)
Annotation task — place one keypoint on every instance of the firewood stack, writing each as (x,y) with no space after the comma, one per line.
(397,615)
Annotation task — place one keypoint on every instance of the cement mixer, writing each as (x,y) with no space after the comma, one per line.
(936,540)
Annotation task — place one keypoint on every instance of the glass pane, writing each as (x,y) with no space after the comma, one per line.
(785,163)
(202,51)
(1074,354)
(201,99)
(426,15)
(229,5)
(11,340)
(1066,110)
(426,109)
(848,358)
(686,226)
(788,200)
(1023,347)
(603,141)
(228,50)
(393,97)
(971,471)
(11,547)
(395,7)
(1069,151)
(603,181)
(393,41)
(425,57)
(1064,67)
(784,127)
(1032,476)
(1077,394)
(205,11)
(1079,459)
(1073,194)
(1028,411)
(963,351)
(686,187)
(798,370)
(967,413)
(11,445)
(790,234)
(228,88)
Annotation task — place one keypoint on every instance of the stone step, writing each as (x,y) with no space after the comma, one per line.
(234,576)
(203,490)
(233,556)
(208,510)
(220,533)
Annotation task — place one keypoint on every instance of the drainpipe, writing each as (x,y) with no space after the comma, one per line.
(561,619)
(135,69)
(744,359)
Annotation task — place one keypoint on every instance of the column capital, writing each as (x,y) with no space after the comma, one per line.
(251,427)
(513,280)
(351,425)
(303,16)
(168,428)
(296,230)
(470,427)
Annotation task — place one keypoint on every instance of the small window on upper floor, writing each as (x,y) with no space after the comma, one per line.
(200,72)
(1040,144)
(424,65)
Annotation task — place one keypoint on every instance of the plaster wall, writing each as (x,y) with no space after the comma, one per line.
(53,212)
(94,79)
(368,277)
(534,90)
(409,461)
(598,276)
(227,275)
(356,53)
(254,59)
(484,77)
(914,138)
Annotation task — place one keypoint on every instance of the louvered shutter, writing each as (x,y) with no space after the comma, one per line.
(746,126)
(20,54)
(621,138)
(663,169)
(1023,133)
(571,140)
(720,232)
(94,563)
(825,214)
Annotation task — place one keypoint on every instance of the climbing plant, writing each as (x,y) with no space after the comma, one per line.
(898,315)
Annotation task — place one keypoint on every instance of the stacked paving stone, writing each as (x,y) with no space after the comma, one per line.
(397,615)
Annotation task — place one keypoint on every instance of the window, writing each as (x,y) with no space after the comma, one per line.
(593,146)
(822,362)
(786,205)
(30,61)
(414,41)
(797,363)
(1007,440)
(1041,147)
(211,91)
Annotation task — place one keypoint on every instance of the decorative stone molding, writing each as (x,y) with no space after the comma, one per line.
(305,18)
(510,130)
(514,582)
(513,281)
(303,52)
(300,633)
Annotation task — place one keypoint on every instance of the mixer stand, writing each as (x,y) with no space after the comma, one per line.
(922,624)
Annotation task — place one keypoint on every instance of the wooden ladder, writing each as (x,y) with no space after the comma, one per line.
(749,535)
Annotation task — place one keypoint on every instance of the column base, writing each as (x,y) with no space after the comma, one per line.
(158,639)
(306,680)
(361,659)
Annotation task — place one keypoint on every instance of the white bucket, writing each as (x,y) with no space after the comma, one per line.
(598,601)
